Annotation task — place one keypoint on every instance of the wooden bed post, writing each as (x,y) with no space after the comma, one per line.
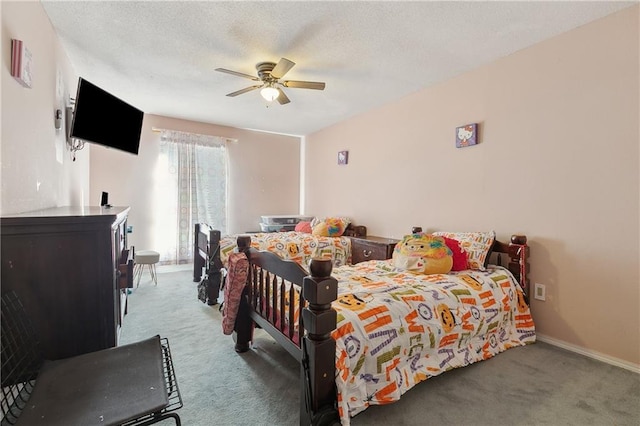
(213,268)
(518,261)
(198,261)
(244,323)
(318,396)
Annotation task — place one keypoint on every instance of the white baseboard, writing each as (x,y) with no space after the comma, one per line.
(589,353)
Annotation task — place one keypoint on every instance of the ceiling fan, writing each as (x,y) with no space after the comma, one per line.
(270,74)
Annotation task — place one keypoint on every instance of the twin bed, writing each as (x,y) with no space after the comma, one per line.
(211,250)
(367,333)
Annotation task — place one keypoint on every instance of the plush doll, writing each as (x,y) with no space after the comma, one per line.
(329,227)
(423,254)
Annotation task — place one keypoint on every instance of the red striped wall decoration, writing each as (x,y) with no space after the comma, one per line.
(21,63)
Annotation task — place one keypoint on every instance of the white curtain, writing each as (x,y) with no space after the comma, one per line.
(191,187)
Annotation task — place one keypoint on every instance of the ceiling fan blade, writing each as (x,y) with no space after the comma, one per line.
(282,98)
(239,74)
(281,68)
(245,90)
(316,85)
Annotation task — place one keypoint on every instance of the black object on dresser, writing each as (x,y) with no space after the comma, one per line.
(70,267)
(371,248)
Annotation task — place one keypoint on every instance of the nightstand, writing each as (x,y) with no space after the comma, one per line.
(371,248)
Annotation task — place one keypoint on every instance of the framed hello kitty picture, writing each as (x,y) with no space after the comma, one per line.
(466,135)
(343,158)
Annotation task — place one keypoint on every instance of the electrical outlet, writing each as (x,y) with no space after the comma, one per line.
(539,292)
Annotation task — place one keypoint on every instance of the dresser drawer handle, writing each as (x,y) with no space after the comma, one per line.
(366,253)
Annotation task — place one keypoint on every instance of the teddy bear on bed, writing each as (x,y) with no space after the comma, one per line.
(423,254)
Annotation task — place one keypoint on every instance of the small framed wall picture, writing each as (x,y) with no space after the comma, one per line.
(21,63)
(466,135)
(343,158)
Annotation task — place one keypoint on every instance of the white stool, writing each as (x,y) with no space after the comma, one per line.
(149,258)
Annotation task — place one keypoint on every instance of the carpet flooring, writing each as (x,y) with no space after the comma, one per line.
(534,385)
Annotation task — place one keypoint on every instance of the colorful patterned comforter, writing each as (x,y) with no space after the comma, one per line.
(396,329)
(300,247)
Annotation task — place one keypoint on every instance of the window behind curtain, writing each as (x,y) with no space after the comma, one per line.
(190,187)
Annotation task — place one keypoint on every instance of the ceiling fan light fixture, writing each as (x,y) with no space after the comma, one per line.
(269,75)
(269,93)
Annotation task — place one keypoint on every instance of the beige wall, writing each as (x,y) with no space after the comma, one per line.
(558,161)
(263,168)
(37,171)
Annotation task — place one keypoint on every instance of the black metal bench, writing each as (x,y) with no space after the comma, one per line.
(132,384)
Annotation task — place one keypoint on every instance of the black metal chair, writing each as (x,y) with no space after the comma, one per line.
(132,384)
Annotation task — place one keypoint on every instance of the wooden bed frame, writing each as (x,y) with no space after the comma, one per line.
(316,350)
(206,256)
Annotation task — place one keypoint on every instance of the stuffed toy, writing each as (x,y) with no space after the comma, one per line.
(329,227)
(423,254)
(459,255)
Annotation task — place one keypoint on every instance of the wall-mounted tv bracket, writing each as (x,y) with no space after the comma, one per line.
(73,143)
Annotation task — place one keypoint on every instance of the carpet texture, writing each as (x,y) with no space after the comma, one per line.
(537,384)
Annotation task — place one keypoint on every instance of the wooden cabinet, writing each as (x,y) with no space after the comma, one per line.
(70,267)
(371,248)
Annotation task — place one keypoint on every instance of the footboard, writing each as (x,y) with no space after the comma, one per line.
(206,256)
(294,308)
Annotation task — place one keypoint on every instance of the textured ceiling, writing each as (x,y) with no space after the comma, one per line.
(161,56)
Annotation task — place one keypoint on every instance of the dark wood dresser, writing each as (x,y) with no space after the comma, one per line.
(371,248)
(70,266)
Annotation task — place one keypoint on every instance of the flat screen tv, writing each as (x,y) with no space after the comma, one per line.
(102,118)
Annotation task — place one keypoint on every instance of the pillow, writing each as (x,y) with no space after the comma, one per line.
(477,245)
(303,227)
(423,254)
(459,255)
(329,227)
